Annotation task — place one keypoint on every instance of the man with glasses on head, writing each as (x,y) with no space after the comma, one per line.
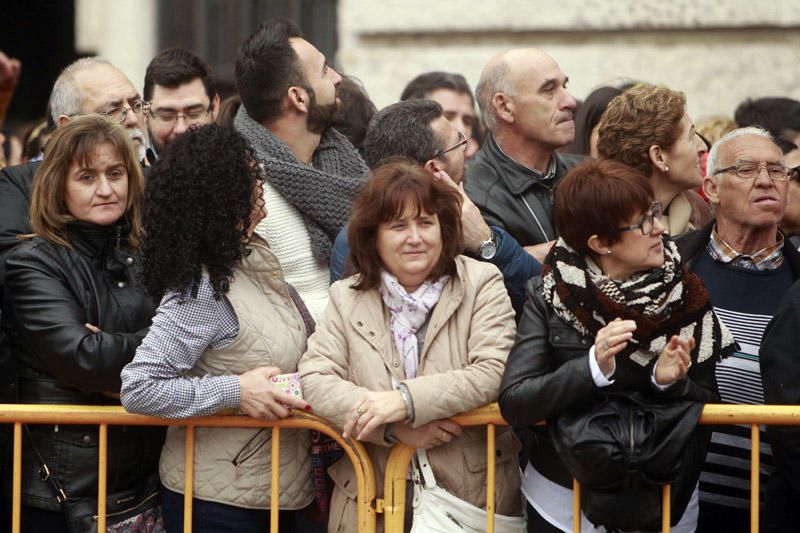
(747,266)
(181,90)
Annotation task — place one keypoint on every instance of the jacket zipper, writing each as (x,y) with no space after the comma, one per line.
(119,236)
(129,509)
(631,429)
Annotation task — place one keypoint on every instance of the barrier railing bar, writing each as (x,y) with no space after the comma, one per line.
(102,471)
(275,489)
(755,476)
(16,484)
(188,480)
(666,508)
(576,506)
(490,476)
(394,487)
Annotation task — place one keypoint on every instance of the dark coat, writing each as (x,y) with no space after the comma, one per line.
(548,372)
(51,292)
(511,196)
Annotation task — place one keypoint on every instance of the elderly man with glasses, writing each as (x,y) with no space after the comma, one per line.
(747,266)
(182,92)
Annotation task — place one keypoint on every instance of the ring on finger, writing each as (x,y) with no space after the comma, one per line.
(361,410)
(444,436)
(604,345)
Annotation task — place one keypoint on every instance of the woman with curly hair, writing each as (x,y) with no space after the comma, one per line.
(213,344)
(647,128)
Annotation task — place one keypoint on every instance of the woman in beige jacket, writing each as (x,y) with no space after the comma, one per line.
(418,335)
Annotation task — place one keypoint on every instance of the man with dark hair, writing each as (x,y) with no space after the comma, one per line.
(452,92)
(312,172)
(181,89)
(418,129)
(512,179)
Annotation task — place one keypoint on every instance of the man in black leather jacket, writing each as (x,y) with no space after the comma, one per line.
(512,179)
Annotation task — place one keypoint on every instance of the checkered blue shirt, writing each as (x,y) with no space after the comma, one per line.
(156,381)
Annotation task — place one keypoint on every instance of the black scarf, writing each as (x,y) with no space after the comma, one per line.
(664,301)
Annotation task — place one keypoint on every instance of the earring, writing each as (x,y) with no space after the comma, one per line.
(666,168)
(608,252)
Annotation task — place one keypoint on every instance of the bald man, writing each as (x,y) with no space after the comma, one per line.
(524,100)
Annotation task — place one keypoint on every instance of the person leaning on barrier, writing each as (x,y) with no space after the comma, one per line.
(214,343)
(613,312)
(75,314)
(417,335)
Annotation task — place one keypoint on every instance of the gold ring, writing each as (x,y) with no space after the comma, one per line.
(443,438)
(361,410)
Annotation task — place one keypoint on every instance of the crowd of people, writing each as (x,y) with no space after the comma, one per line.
(607,266)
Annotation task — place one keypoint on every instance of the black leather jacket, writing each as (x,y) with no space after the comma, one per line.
(548,372)
(51,291)
(511,196)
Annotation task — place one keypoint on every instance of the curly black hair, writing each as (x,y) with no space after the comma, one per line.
(197,207)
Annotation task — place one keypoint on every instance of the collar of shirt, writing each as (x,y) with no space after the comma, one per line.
(542,176)
(768,258)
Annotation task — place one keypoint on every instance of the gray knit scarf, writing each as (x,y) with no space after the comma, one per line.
(324,192)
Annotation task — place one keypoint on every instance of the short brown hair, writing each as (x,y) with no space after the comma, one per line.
(597,197)
(640,117)
(77,141)
(394,184)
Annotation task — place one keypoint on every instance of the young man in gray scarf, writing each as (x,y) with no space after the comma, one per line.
(312,172)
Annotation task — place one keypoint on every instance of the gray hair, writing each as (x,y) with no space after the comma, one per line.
(66,99)
(496,80)
(712,162)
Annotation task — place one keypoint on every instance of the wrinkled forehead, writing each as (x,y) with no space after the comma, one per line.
(749,148)
(532,69)
(103,87)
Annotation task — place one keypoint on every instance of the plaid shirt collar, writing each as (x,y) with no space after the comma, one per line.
(768,258)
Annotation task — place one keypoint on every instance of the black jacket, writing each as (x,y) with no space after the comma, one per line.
(15,193)
(511,196)
(51,291)
(548,372)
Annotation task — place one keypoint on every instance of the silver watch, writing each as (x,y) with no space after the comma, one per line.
(487,249)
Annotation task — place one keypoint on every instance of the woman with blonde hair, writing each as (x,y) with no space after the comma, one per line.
(647,128)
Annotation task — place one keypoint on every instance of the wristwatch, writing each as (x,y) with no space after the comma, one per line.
(487,249)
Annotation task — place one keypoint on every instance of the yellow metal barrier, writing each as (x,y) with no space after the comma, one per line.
(103,416)
(400,457)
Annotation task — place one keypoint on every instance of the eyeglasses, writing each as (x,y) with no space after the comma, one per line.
(750,170)
(648,220)
(462,143)
(118,114)
(171,117)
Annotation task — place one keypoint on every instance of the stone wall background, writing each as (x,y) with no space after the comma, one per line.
(718,52)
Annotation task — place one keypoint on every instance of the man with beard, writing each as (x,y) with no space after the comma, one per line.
(524,100)
(181,90)
(312,172)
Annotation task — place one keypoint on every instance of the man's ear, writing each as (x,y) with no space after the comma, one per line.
(63,119)
(298,99)
(214,108)
(711,188)
(598,245)
(503,107)
(432,166)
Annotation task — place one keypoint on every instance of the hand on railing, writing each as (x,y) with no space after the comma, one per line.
(428,435)
(259,398)
(372,412)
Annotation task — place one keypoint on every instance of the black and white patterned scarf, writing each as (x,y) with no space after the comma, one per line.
(664,301)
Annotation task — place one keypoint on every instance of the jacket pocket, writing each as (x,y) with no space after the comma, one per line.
(564,337)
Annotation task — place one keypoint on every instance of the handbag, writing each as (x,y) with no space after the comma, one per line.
(622,449)
(438,511)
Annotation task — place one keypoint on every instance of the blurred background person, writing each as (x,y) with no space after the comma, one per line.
(587,120)
(613,312)
(417,335)
(355,111)
(75,315)
(647,128)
